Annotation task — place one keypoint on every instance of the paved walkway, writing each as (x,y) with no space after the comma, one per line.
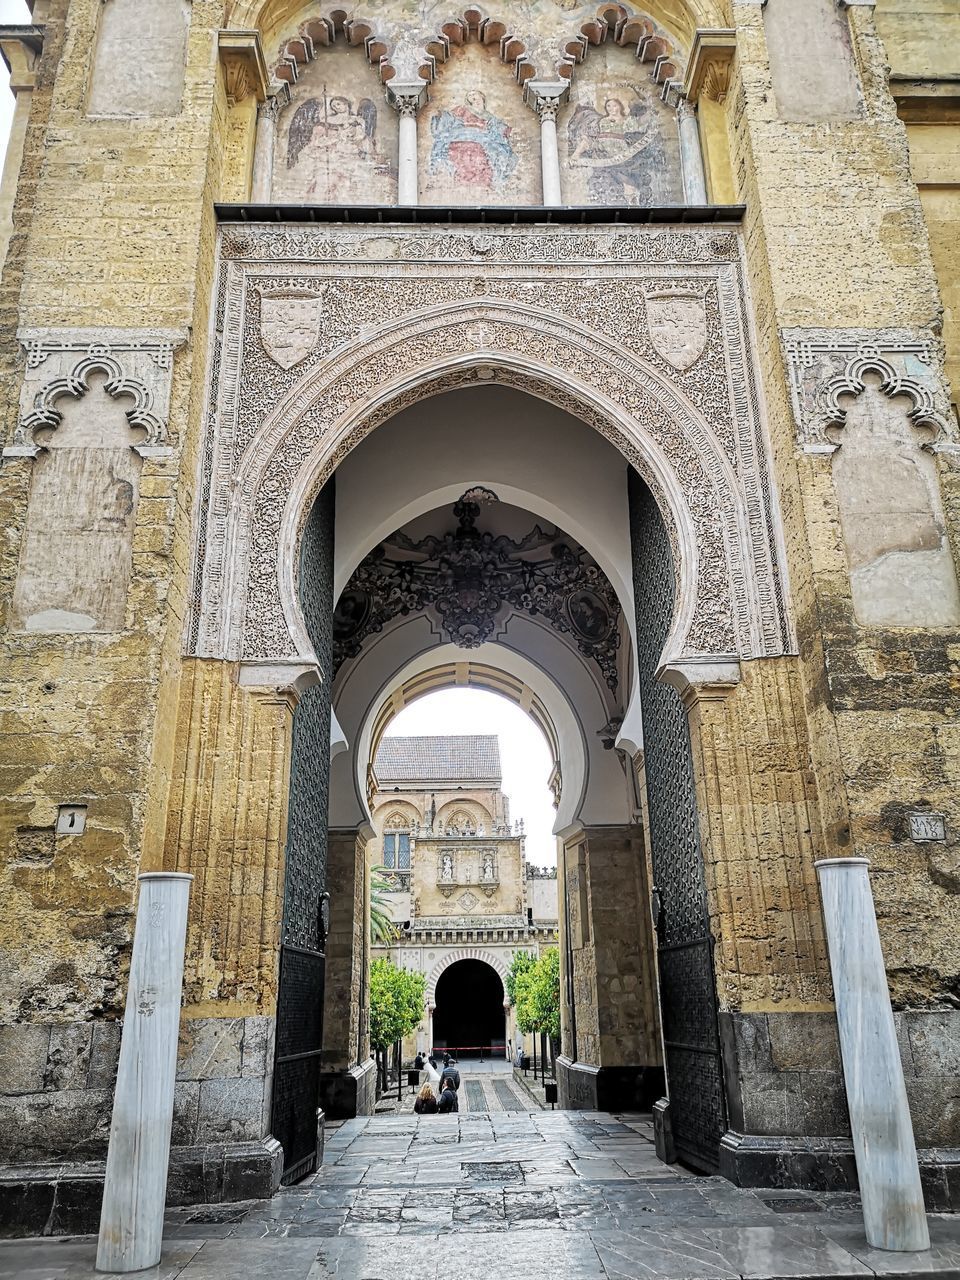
(485,1088)
(525,1195)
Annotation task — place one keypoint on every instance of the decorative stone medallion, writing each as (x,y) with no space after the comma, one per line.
(678,327)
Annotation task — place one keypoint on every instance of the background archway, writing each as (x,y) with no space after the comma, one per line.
(469,1018)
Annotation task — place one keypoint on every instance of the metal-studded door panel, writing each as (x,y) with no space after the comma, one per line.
(688,998)
(296,1081)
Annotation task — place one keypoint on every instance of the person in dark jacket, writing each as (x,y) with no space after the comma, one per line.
(451,1074)
(426,1103)
(418,1062)
(448,1099)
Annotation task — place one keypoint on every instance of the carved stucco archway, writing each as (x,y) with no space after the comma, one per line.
(464,953)
(694,433)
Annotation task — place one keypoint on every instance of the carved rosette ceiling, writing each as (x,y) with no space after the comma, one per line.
(639,332)
(826,366)
(466,579)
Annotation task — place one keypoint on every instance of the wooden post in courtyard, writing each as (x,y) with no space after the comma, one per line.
(131,1220)
(883,1143)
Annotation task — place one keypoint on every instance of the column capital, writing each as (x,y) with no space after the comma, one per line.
(701,678)
(288,677)
(546,97)
(685,109)
(274,102)
(407,99)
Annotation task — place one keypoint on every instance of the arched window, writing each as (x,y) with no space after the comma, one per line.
(396,842)
(461,824)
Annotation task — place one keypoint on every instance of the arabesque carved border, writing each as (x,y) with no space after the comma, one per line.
(424,310)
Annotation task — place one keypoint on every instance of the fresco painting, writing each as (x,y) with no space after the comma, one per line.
(478,143)
(337,141)
(618,142)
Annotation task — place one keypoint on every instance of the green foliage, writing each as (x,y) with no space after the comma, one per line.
(396,1002)
(534,987)
(522,962)
(382,929)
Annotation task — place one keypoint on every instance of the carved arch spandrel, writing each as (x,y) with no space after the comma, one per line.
(695,431)
(620,396)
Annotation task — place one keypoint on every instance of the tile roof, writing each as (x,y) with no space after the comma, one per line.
(457,757)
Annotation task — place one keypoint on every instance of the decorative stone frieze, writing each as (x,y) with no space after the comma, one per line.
(408,313)
(138,363)
(827,365)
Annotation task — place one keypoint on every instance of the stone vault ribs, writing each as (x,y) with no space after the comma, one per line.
(580,318)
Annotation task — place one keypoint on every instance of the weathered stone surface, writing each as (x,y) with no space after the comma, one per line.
(23,1057)
(44,1126)
(68,1060)
(104,1055)
(210,1048)
(230,1111)
(934,1039)
(804,1042)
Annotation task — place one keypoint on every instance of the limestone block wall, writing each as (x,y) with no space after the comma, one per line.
(112,233)
(836,242)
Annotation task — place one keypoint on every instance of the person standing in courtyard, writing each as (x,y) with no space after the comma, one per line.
(426,1103)
(450,1075)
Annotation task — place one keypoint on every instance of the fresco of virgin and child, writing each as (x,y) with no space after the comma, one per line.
(472,145)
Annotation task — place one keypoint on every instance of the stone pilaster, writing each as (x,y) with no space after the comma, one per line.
(347,1081)
(618,1064)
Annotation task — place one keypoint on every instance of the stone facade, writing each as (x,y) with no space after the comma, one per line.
(761,361)
(462,888)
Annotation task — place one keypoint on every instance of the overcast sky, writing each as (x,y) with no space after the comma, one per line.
(524,755)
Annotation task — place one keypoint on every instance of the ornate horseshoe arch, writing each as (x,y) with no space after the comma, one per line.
(686,417)
(464,953)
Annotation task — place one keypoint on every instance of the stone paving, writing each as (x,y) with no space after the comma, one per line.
(486,1087)
(525,1195)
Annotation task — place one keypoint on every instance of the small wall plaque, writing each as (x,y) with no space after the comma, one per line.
(927,826)
(71,819)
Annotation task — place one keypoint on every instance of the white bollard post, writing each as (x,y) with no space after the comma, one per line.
(131,1220)
(883,1143)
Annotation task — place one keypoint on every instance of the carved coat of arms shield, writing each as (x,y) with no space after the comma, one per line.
(290,325)
(678,327)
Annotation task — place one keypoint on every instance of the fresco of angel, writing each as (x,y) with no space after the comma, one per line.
(472,144)
(330,138)
(622,149)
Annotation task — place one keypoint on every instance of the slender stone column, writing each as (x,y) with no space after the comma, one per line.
(131,1220)
(691,156)
(407,99)
(883,1142)
(547,99)
(267,115)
